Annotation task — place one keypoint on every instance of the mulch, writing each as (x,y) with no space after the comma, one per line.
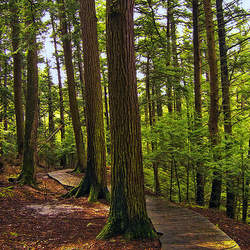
(23,227)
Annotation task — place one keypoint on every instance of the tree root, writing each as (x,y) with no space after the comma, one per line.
(133,231)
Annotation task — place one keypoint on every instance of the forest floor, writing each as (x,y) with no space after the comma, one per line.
(40,218)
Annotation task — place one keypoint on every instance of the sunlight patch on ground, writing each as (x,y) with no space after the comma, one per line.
(54,209)
(219,244)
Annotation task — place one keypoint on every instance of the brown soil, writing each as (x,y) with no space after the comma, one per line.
(39,218)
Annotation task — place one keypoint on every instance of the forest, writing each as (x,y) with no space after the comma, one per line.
(156,92)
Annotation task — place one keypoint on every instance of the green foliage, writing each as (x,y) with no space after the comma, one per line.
(6,191)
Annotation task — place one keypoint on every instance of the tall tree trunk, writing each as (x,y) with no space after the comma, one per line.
(225,103)
(175,60)
(61,105)
(151,109)
(198,104)
(17,67)
(213,109)
(5,98)
(245,188)
(94,183)
(81,165)
(105,84)
(50,103)
(128,214)
(27,175)
(168,59)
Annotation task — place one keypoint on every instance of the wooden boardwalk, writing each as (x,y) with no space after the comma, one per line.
(181,228)
(184,229)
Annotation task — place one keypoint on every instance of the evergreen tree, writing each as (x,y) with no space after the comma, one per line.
(128,215)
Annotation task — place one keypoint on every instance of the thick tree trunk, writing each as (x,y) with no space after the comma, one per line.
(17,67)
(128,215)
(198,104)
(81,165)
(213,109)
(94,183)
(225,103)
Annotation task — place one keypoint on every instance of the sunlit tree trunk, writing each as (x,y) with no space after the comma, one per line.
(128,215)
(214,108)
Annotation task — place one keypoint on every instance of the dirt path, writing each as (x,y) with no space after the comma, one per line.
(181,227)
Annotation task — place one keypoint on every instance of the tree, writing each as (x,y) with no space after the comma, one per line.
(58,68)
(198,104)
(151,114)
(225,102)
(27,175)
(50,102)
(214,107)
(128,215)
(71,87)
(17,58)
(94,183)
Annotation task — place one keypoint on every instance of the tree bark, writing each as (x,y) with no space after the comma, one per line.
(151,108)
(128,215)
(81,165)
(5,97)
(61,105)
(168,59)
(17,68)
(230,206)
(245,188)
(94,183)
(175,60)
(50,104)
(213,109)
(27,175)
(198,104)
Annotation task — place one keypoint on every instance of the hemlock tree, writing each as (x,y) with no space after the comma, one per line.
(17,73)
(58,69)
(230,205)
(27,175)
(214,107)
(67,48)
(197,97)
(128,215)
(94,183)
